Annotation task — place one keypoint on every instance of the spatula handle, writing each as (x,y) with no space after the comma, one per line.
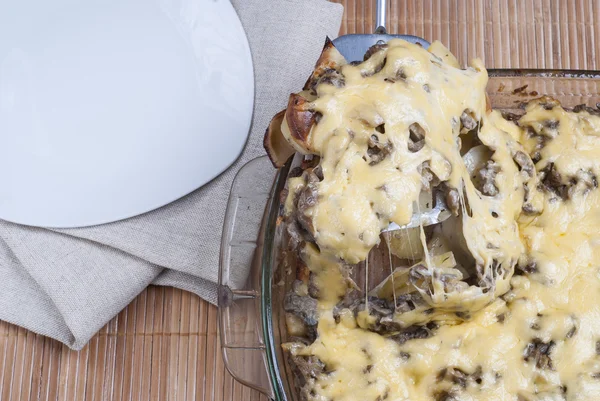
(380,17)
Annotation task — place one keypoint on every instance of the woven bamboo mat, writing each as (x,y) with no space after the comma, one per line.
(164,345)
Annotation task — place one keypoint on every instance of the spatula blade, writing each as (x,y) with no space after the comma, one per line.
(354,46)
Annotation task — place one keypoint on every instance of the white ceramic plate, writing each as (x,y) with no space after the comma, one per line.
(112,108)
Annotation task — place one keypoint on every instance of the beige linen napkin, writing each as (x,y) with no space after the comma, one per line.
(67,283)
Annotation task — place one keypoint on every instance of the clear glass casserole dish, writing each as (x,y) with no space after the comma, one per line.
(256,270)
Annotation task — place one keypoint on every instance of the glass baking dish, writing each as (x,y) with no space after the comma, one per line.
(256,270)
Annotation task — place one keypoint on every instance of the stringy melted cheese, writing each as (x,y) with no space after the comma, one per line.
(556,306)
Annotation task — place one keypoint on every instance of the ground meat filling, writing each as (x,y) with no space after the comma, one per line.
(561,187)
(452,198)
(313,289)
(524,162)
(304,307)
(551,181)
(583,107)
(300,227)
(543,134)
(379,308)
(459,377)
(539,352)
(421,278)
(468,121)
(377,150)
(306,369)
(383,310)
(511,116)
(374,49)
(548,103)
(486,183)
(416,137)
(297,235)
(399,76)
(528,208)
(527,268)
(372,69)
(429,180)
(414,332)
(329,77)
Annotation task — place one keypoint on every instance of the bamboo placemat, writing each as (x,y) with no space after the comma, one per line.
(164,345)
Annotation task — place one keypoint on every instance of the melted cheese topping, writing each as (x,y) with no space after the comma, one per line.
(359,198)
(533,336)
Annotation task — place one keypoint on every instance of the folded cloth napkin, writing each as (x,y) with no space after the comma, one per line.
(67,283)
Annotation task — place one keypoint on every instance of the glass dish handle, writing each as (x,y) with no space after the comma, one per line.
(239,316)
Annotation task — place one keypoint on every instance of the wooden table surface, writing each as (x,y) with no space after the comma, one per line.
(164,345)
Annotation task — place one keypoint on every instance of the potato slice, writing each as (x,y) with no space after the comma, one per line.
(298,123)
(397,283)
(290,129)
(406,243)
(277,147)
(330,59)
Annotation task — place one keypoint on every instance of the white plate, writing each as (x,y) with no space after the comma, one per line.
(112,108)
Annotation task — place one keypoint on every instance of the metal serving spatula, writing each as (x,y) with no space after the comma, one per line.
(353,47)
(431,210)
